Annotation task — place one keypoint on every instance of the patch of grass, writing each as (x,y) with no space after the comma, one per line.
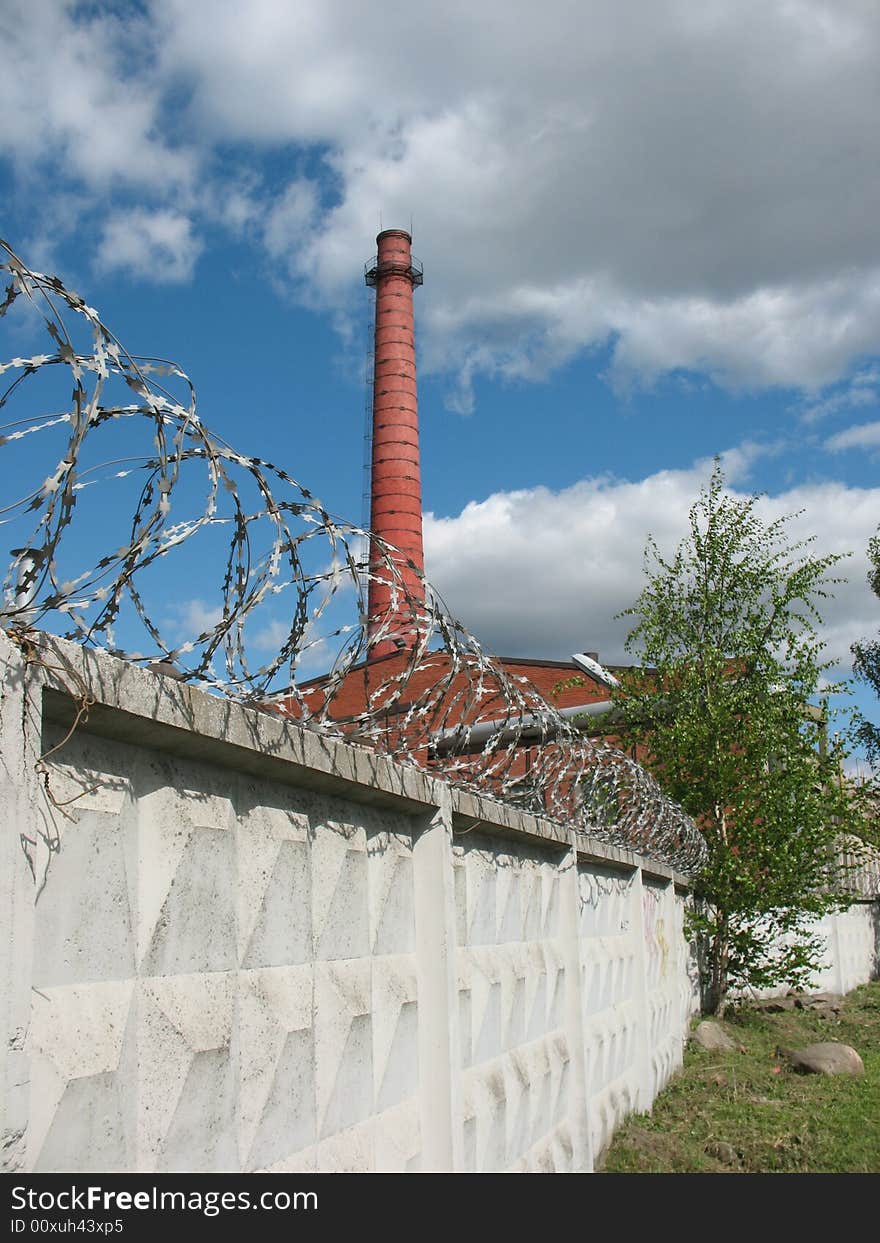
(748,1112)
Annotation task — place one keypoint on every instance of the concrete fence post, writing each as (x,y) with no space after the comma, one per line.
(687,997)
(640,992)
(440,1105)
(20,858)
(674,968)
(579,1105)
(836,949)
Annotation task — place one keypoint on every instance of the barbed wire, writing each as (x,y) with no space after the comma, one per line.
(437,701)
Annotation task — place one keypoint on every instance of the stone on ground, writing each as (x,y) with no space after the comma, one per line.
(819,1001)
(826,1058)
(774,1005)
(723,1152)
(711,1035)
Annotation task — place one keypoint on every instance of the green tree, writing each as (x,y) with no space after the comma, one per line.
(867,667)
(723,707)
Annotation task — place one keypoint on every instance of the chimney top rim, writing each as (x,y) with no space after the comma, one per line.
(393,233)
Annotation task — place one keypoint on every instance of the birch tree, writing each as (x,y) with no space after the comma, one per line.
(724,707)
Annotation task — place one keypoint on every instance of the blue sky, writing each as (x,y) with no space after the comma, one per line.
(650,235)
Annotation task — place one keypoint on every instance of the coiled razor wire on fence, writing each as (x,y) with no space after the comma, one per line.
(438,701)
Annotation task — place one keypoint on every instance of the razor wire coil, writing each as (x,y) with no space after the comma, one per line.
(439,702)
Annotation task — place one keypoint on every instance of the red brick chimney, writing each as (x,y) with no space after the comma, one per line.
(395,493)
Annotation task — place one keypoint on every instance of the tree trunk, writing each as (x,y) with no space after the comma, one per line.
(719,954)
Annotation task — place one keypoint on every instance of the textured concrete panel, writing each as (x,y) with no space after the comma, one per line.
(339,892)
(277,1099)
(273,863)
(92,865)
(397,1141)
(286,1123)
(605,900)
(349,1152)
(390,886)
(856,946)
(511,982)
(344,1047)
(195,927)
(87,1130)
(201,1132)
(611,962)
(282,930)
(186,1072)
(263,1001)
(76,1042)
(395,1031)
(220,953)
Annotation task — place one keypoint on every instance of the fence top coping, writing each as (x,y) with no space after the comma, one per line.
(142,707)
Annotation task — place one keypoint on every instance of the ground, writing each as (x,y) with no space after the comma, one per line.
(747,1112)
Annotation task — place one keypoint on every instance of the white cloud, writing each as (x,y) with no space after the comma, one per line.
(315,654)
(288,221)
(863,389)
(695,185)
(270,636)
(863,436)
(195,617)
(543,573)
(154,245)
(663,185)
(264,637)
(81,88)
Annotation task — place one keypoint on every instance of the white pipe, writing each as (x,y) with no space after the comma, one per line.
(446,738)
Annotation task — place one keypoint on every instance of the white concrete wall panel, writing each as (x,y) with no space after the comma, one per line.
(662,988)
(688,973)
(231,945)
(224,974)
(511,987)
(610,963)
(856,945)
(850,953)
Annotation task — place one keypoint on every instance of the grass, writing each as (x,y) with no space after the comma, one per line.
(774,1120)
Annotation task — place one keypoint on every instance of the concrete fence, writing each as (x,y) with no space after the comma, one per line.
(232,944)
